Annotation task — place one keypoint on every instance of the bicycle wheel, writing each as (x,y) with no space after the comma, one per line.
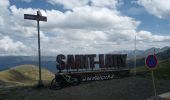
(55,85)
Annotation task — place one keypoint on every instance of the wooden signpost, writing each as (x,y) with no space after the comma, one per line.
(38,18)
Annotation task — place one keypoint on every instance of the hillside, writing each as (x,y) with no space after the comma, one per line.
(10,61)
(49,63)
(24,74)
(129,88)
(162,71)
(140,61)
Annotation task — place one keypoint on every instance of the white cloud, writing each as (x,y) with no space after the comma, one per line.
(148,36)
(105,3)
(159,8)
(85,29)
(69,4)
(89,18)
(4,3)
(8,46)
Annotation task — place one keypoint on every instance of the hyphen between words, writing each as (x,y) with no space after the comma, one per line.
(89,61)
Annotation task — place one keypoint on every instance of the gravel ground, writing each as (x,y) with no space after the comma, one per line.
(131,88)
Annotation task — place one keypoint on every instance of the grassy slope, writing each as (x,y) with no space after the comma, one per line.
(131,88)
(23,74)
(162,71)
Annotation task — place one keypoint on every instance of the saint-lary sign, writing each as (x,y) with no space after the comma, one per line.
(93,66)
(89,61)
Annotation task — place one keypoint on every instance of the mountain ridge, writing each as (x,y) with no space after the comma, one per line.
(24,74)
(48,62)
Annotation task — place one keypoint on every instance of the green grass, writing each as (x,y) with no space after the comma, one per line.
(28,74)
(131,88)
(161,72)
(24,74)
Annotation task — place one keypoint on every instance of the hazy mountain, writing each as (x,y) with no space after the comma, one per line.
(49,63)
(9,61)
(163,54)
(141,53)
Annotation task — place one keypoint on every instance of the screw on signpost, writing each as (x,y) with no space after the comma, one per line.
(38,18)
(151,62)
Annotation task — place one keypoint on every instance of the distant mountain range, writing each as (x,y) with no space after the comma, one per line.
(161,53)
(49,63)
(141,53)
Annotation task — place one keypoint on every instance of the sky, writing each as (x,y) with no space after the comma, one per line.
(83,26)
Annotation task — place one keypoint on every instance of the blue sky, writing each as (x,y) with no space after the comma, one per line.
(84,26)
(129,8)
(39,4)
(149,22)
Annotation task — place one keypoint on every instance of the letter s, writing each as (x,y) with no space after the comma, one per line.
(60,62)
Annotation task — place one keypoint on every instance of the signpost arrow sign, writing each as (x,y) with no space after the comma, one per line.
(30,17)
(38,18)
(35,17)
